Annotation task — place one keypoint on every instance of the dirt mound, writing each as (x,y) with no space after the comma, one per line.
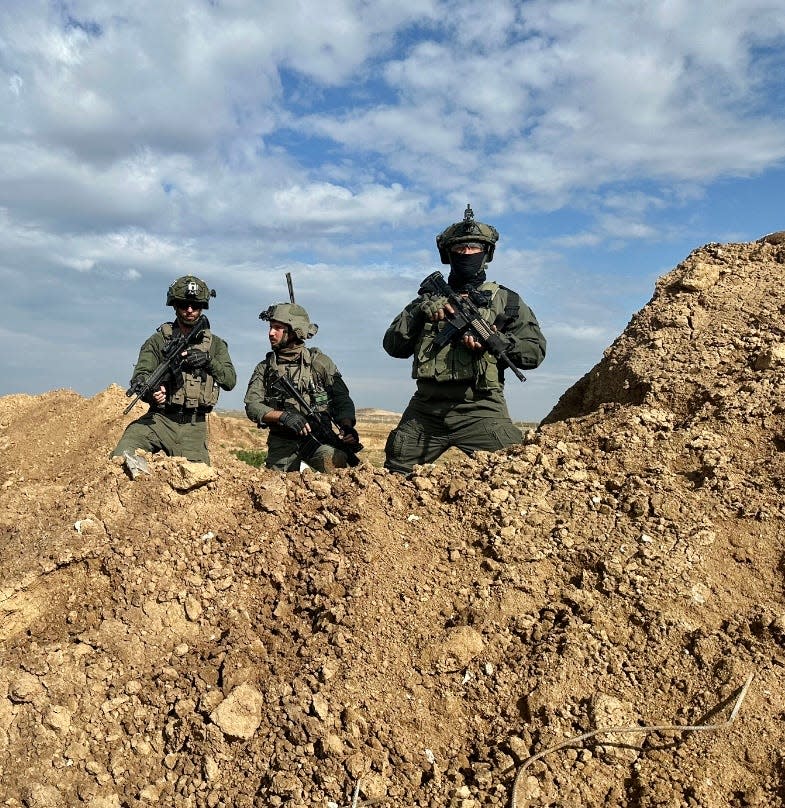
(235,637)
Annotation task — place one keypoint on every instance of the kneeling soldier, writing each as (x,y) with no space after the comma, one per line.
(176,421)
(320,384)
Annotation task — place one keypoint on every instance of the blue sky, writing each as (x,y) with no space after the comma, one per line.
(241,140)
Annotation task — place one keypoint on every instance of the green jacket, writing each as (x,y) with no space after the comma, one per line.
(455,366)
(194,390)
(314,375)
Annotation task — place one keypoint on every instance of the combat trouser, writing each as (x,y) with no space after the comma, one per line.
(283,454)
(177,434)
(428,428)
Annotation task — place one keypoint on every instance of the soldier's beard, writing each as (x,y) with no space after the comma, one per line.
(290,351)
(466,270)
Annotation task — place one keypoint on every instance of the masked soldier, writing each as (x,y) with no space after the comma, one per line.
(459,399)
(318,381)
(176,421)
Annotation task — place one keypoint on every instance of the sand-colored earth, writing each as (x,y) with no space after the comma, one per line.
(236,637)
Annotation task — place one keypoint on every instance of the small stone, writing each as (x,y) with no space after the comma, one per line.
(240,713)
(319,706)
(58,718)
(25,688)
(332,746)
(186,476)
(211,770)
(499,495)
(193,608)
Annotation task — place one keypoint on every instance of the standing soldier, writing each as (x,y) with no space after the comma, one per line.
(319,383)
(459,399)
(176,421)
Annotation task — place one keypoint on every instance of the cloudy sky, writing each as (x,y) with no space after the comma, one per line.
(239,140)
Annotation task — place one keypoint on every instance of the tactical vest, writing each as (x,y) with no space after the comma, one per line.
(457,363)
(304,377)
(197,390)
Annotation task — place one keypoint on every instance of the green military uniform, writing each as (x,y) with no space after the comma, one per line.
(319,382)
(460,391)
(179,427)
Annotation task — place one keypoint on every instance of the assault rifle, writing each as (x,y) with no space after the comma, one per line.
(172,363)
(322,432)
(465,319)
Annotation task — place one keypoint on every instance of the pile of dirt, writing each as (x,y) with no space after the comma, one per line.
(235,637)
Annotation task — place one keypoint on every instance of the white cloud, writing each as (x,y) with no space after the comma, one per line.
(324,204)
(579,332)
(582,93)
(234,140)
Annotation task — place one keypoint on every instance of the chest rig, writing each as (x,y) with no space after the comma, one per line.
(198,390)
(302,374)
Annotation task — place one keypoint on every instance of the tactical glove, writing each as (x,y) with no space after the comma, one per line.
(196,359)
(431,306)
(348,431)
(291,419)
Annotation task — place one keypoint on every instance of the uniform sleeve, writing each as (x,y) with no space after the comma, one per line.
(341,404)
(255,408)
(526,341)
(221,367)
(150,356)
(401,337)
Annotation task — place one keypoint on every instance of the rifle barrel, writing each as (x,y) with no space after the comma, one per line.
(290,286)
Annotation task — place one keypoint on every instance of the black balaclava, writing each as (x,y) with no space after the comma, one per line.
(467,270)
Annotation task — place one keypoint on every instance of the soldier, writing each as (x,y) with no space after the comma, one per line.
(176,421)
(318,381)
(459,399)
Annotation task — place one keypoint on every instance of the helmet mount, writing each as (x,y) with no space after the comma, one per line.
(467,231)
(293,315)
(189,289)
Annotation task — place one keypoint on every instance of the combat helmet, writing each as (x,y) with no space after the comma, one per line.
(293,315)
(467,231)
(189,289)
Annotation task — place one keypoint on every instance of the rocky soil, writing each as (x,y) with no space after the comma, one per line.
(234,637)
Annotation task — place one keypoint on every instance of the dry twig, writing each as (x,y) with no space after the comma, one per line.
(662,728)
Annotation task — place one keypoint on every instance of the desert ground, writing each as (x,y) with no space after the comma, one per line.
(373,425)
(595,617)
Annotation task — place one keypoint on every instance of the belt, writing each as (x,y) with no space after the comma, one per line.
(182,416)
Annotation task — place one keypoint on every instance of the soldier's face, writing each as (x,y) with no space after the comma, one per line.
(279,334)
(187,313)
(467,249)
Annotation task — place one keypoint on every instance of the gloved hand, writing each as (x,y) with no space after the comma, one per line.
(291,419)
(349,434)
(431,306)
(503,342)
(196,359)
